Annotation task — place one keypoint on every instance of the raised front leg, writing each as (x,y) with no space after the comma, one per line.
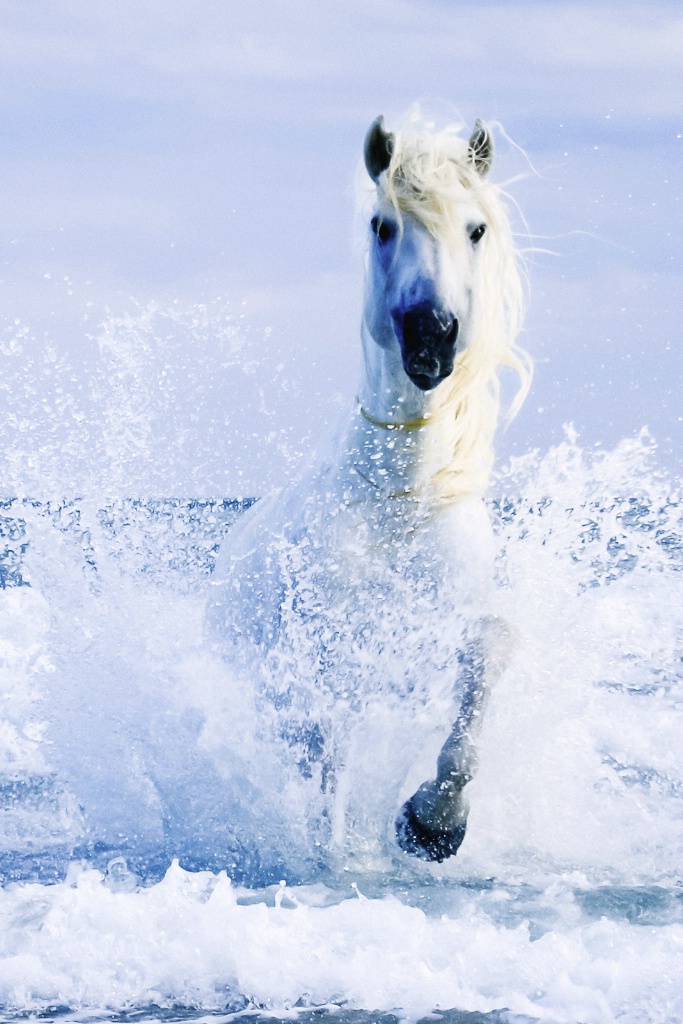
(432,824)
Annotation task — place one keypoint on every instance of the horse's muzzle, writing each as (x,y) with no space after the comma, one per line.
(428,335)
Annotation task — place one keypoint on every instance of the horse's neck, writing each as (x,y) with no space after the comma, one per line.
(392,462)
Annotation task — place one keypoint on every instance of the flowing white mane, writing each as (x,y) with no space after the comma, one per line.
(432,176)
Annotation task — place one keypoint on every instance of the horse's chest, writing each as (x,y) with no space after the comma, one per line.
(361,603)
(359,562)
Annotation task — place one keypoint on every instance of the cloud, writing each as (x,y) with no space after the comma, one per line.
(174,48)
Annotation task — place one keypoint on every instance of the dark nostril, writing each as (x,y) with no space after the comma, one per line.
(428,323)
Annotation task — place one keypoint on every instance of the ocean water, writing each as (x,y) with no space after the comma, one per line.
(160,851)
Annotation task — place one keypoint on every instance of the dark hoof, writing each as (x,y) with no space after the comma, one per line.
(422,842)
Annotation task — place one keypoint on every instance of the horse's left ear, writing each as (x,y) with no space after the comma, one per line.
(481,148)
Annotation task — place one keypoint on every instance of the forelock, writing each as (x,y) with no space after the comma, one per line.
(430,175)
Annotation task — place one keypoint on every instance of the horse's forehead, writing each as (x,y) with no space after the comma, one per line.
(461,207)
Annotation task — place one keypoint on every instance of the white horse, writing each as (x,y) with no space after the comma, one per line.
(381,561)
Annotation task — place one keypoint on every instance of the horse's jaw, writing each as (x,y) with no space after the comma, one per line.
(387,393)
(401,436)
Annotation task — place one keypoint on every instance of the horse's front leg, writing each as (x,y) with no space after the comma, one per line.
(432,823)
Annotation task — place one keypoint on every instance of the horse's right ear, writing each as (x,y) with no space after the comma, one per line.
(379,145)
(481,148)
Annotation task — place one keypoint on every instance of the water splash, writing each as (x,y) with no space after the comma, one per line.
(150,403)
(126,742)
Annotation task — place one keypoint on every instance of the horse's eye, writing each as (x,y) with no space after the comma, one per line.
(382,229)
(477,233)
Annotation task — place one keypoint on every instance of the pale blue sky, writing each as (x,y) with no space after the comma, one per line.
(163,151)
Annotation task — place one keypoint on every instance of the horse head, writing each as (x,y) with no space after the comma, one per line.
(425,248)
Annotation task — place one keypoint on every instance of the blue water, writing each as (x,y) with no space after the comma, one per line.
(159,851)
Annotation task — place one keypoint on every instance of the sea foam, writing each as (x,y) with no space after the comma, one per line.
(149,818)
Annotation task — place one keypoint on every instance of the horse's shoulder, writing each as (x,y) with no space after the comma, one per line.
(466,524)
(462,533)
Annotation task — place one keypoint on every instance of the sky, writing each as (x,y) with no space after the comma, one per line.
(180,263)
